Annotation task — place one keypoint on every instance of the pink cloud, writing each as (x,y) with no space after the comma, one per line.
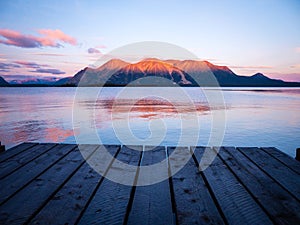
(100,46)
(58,35)
(297,49)
(51,38)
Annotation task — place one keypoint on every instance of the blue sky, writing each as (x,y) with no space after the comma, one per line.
(248,36)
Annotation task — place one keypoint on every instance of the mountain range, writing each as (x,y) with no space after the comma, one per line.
(3,82)
(116,72)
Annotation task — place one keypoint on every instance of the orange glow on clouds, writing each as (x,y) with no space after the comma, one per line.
(51,38)
(57,35)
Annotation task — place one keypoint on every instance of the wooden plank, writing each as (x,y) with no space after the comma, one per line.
(110,202)
(277,202)
(152,203)
(284,158)
(282,174)
(74,195)
(194,204)
(57,186)
(20,178)
(38,192)
(236,203)
(18,161)
(15,150)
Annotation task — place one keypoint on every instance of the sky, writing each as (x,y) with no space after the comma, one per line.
(58,38)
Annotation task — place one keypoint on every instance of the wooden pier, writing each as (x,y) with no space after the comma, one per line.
(53,184)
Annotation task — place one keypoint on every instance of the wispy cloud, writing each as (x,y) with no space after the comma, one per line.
(8,66)
(50,38)
(58,35)
(286,76)
(47,54)
(296,66)
(4,70)
(38,68)
(30,64)
(251,67)
(93,51)
(100,46)
(50,71)
(297,49)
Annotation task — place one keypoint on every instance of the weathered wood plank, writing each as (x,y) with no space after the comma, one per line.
(71,199)
(20,178)
(282,174)
(15,163)
(194,204)
(15,150)
(241,186)
(110,202)
(236,203)
(37,193)
(277,202)
(284,158)
(152,203)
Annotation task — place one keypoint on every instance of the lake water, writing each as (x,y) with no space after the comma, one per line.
(249,116)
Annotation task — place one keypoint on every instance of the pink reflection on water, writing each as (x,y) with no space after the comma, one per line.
(107,110)
(56,134)
(34,131)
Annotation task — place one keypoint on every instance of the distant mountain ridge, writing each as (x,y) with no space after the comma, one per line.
(117,72)
(3,83)
(97,76)
(34,81)
(181,72)
(149,68)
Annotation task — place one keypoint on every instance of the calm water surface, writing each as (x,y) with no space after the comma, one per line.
(254,117)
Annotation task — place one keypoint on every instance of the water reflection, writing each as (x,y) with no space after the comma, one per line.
(35,114)
(287,91)
(25,130)
(144,108)
(55,134)
(34,130)
(255,117)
